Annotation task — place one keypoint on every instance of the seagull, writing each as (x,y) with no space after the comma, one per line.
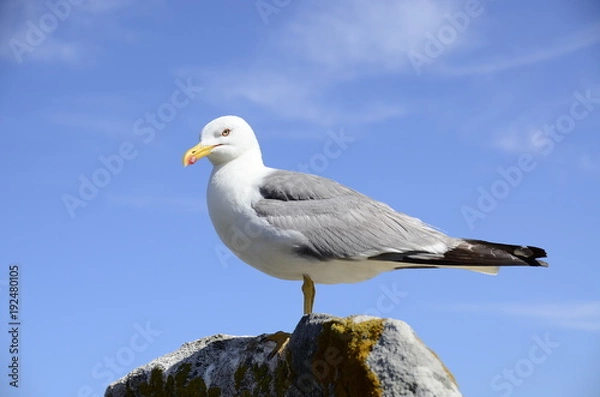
(297,226)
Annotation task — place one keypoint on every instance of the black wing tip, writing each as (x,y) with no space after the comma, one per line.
(473,253)
(526,253)
(530,255)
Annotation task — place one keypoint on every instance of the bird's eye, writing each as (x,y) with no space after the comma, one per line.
(226,132)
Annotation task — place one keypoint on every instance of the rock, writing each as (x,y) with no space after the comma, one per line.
(325,356)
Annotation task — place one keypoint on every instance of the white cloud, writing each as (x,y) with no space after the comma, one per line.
(509,120)
(377,111)
(288,96)
(55,50)
(298,98)
(342,36)
(582,39)
(589,164)
(45,32)
(106,6)
(514,140)
(583,316)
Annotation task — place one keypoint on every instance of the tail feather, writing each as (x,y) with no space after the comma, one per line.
(471,254)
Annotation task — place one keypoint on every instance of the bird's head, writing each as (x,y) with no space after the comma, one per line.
(222,140)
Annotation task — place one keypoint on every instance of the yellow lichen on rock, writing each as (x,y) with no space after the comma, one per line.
(340,362)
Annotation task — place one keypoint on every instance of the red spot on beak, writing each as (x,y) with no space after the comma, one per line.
(192,160)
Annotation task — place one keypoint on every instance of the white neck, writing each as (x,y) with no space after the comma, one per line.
(251,159)
(248,169)
(232,186)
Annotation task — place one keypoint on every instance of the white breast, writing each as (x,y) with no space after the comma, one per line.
(232,190)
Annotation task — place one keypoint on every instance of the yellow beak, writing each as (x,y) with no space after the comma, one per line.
(196,153)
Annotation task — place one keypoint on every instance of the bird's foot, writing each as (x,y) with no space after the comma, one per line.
(281,340)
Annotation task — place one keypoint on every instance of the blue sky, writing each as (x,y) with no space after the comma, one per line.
(479,118)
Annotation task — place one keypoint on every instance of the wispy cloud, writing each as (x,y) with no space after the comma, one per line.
(57,50)
(59,32)
(516,141)
(320,50)
(582,39)
(512,119)
(343,36)
(584,316)
(589,164)
(506,128)
(105,6)
(288,96)
(298,98)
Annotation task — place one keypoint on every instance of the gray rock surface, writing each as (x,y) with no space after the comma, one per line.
(325,356)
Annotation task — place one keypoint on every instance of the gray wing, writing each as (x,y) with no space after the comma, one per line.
(340,223)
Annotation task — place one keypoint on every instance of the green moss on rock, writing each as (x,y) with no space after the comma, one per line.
(239,376)
(256,380)
(177,385)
